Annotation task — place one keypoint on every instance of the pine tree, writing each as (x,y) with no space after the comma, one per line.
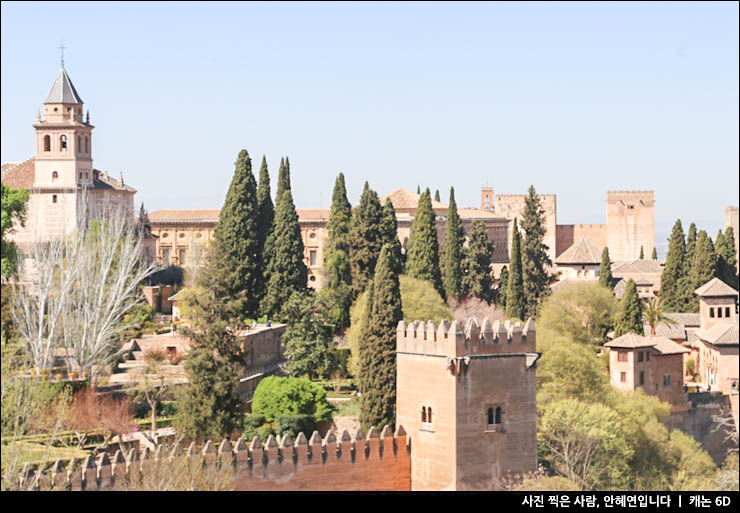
(337,251)
(288,272)
(726,258)
(704,267)
(389,231)
(654,256)
(452,252)
(515,304)
(237,243)
(605,271)
(378,401)
(365,240)
(266,217)
(629,316)
(642,254)
(422,254)
(672,278)
(503,285)
(436,196)
(477,280)
(535,260)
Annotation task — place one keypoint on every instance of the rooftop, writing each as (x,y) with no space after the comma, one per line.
(639,266)
(715,288)
(582,252)
(403,198)
(630,341)
(721,334)
(63,91)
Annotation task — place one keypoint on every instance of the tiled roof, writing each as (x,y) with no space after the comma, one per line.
(721,334)
(477,213)
(639,266)
(312,214)
(184,215)
(568,282)
(715,288)
(665,345)
(631,341)
(63,91)
(582,252)
(643,281)
(104,181)
(679,330)
(403,198)
(19,175)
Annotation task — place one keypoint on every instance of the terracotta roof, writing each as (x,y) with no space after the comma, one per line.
(310,214)
(184,215)
(722,334)
(19,175)
(643,281)
(715,288)
(685,323)
(569,281)
(476,213)
(639,266)
(403,198)
(630,341)
(582,252)
(664,345)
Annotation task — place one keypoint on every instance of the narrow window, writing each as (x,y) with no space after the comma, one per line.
(47,143)
(166,256)
(497,420)
(623,377)
(622,356)
(87,150)
(711,312)
(312,257)
(727,311)
(54,176)
(667,380)
(181,256)
(429,415)
(54,198)
(719,313)
(647,355)
(79,146)
(640,356)
(63,143)
(490,417)
(642,377)
(423,414)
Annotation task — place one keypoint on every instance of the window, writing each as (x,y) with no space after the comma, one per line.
(79,146)
(312,279)
(642,377)
(54,176)
(426,417)
(623,377)
(719,313)
(640,356)
(622,356)
(313,235)
(165,235)
(166,256)
(182,235)
(667,380)
(312,258)
(53,198)
(711,312)
(86,145)
(727,311)
(63,143)
(647,355)
(47,143)
(181,256)
(494,416)
(423,414)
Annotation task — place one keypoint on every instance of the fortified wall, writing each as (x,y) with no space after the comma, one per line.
(511,206)
(630,224)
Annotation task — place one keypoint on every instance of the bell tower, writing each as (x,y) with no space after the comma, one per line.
(63,139)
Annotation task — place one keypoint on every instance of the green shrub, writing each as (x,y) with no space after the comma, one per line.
(167,408)
(277,396)
(264,432)
(294,424)
(262,320)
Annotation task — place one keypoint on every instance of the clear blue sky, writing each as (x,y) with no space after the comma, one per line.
(574,98)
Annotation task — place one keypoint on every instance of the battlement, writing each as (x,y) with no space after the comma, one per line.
(630,195)
(452,339)
(372,461)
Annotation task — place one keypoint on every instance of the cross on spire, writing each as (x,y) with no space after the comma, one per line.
(62,47)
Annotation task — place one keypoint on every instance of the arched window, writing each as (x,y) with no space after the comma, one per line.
(63,143)
(423,414)
(429,415)
(498,415)
(490,416)
(47,143)
(79,146)
(494,416)
(54,176)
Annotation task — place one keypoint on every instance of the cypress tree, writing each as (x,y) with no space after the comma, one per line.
(436,196)
(605,271)
(422,254)
(237,241)
(143,224)
(288,272)
(378,401)
(283,183)
(365,240)
(515,304)
(476,265)
(418,189)
(654,256)
(266,217)
(452,252)
(534,254)
(337,251)
(503,283)
(686,292)
(704,267)
(642,254)
(629,316)
(389,231)
(365,357)
(672,282)
(726,258)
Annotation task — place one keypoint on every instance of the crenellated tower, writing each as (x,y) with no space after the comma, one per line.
(466,398)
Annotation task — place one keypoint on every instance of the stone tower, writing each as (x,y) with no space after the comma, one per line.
(630,224)
(486,198)
(466,399)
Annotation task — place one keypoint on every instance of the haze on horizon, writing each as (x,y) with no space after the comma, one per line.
(574,98)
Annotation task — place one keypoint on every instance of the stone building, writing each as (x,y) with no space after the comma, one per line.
(60,176)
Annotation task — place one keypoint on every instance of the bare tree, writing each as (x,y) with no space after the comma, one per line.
(79,290)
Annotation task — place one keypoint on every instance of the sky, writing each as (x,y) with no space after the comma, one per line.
(573,98)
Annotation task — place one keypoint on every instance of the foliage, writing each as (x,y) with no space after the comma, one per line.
(535,260)
(503,285)
(654,255)
(605,270)
(365,240)
(378,347)
(337,252)
(583,312)
(726,258)
(419,301)
(13,210)
(8,332)
(170,275)
(294,424)
(422,252)
(91,412)
(515,300)
(276,396)
(703,269)
(671,278)
(210,405)
(253,422)
(308,336)
(477,277)
(694,467)
(265,217)
(389,231)
(569,369)
(287,270)
(654,314)
(629,316)
(452,253)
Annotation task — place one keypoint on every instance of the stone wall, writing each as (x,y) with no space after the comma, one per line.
(511,206)
(630,224)
(569,234)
